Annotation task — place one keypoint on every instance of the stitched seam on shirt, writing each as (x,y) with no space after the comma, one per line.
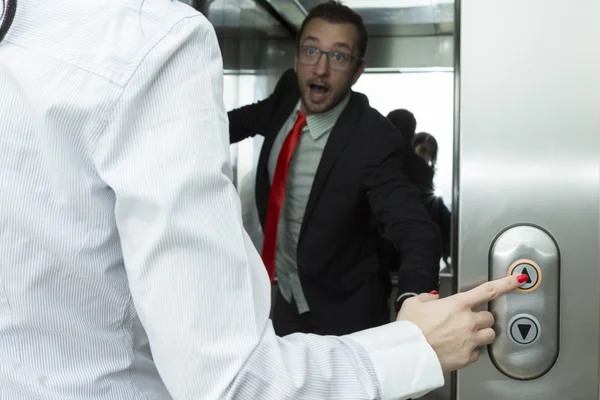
(104,124)
(126,319)
(64,61)
(158,39)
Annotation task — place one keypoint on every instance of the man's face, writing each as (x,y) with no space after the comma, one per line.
(324,81)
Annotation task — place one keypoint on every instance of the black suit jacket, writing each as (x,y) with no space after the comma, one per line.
(359,177)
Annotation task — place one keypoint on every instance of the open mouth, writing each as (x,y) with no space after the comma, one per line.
(317,92)
(318,89)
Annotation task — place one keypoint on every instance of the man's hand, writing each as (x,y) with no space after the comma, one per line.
(450,326)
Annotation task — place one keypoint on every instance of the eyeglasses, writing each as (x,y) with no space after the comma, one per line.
(339,60)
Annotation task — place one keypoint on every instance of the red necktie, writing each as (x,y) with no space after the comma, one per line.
(277,194)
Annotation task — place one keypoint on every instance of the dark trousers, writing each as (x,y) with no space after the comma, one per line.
(287,320)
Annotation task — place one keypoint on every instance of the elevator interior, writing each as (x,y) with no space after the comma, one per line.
(414,44)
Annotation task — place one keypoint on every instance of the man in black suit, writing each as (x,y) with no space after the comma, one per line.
(330,164)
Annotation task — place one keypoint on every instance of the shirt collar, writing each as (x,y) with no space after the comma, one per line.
(320,124)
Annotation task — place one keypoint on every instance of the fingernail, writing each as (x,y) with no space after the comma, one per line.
(434,292)
(522,278)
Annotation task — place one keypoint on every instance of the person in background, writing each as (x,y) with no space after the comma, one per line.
(417,170)
(405,122)
(426,147)
(413,166)
(419,165)
(125,272)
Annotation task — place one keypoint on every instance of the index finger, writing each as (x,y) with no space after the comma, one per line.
(490,290)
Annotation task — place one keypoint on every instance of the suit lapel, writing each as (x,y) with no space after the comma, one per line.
(338,139)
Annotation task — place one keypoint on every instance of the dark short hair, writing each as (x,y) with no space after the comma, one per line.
(335,12)
(405,122)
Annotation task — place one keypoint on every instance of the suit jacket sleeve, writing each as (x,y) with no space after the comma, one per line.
(254,119)
(417,169)
(396,204)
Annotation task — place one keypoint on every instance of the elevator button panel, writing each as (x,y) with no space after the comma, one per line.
(527,319)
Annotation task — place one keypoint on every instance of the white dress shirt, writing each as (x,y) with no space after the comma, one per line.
(125,272)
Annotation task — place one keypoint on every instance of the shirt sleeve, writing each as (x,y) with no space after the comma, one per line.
(404,362)
(198,285)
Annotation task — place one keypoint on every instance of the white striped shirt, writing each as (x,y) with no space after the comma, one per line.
(125,272)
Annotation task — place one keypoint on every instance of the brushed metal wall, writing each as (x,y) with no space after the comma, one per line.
(529,131)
